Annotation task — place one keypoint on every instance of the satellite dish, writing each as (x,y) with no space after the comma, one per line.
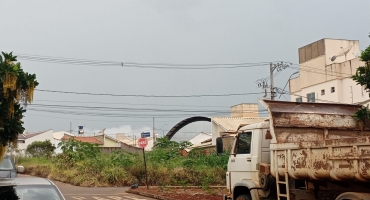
(358,54)
(342,53)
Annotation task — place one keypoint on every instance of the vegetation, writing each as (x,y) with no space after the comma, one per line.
(38,149)
(83,164)
(17,87)
(362,78)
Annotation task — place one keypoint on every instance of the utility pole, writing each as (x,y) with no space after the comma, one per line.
(70,127)
(272,82)
(263,82)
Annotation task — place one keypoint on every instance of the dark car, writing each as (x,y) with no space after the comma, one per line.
(29,188)
(8,169)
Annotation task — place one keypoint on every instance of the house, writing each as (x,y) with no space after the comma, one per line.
(108,141)
(202,140)
(26,139)
(325,70)
(199,138)
(133,141)
(240,115)
(229,126)
(88,139)
(58,138)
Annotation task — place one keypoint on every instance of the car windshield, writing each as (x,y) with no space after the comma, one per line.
(37,192)
(6,164)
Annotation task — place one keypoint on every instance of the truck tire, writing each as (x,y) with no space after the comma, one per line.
(244,197)
(353,196)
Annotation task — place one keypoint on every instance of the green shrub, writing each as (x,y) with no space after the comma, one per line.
(39,149)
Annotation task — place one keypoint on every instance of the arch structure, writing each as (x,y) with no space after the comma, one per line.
(185,122)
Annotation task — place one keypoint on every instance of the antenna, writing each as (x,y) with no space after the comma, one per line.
(342,53)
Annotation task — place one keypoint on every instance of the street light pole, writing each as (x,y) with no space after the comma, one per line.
(287,82)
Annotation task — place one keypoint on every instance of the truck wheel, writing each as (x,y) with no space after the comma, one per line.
(244,197)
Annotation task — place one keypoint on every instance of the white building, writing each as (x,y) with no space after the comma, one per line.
(230,125)
(26,139)
(325,68)
(57,139)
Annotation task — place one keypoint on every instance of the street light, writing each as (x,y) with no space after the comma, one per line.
(287,83)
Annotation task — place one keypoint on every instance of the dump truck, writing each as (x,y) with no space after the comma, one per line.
(303,151)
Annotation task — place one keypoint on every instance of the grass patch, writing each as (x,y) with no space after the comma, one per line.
(89,167)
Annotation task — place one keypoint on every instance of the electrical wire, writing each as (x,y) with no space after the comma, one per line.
(119,109)
(75,61)
(153,96)
(306,68)
(134,104)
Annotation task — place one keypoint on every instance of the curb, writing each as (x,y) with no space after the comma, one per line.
(148,195)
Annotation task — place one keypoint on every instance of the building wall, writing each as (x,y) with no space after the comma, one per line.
(334,46)
(216,132)
(320,73)
(244,110)
(200,138)
(47,135)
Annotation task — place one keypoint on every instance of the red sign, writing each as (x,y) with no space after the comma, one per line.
(143,142)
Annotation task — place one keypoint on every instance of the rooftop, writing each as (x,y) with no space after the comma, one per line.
(88,139)
(232,124)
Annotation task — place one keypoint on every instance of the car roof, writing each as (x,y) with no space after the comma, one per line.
(25,181)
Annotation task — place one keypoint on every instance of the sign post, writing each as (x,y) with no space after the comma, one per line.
(143,142)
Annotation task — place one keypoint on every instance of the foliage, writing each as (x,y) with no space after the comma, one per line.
(362,78)
(17,87)
(39,149)
(74,151)
(83,164)
(164,143)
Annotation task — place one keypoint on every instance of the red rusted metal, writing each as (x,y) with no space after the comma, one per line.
(320,141)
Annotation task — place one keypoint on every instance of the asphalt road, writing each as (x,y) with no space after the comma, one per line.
(71,192)
(96,193)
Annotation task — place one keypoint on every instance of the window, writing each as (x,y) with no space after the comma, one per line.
(311,97)
(299,99)
(322,92)
(243,145)
(332,89)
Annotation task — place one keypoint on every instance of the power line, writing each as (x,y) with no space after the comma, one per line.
(75,61)
(119,109)
(138,115)
(306,68)
(153,96)
(84,119)
(287,92)
(135,104)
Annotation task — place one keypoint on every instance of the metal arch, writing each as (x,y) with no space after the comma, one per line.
(185,122)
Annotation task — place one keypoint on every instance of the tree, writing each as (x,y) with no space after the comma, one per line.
(17,87)
(38,148)
(362,77)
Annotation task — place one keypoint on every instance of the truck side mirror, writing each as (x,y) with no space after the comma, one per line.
(219,145)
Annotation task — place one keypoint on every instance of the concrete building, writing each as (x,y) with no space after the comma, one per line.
(240,115)
(26,139)
(58,138)
(325,68)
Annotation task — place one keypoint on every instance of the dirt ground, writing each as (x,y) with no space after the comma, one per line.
(184,193)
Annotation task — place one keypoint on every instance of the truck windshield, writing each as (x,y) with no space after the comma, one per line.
(243,145)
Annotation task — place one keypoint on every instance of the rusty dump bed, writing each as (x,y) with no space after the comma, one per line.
(318,141)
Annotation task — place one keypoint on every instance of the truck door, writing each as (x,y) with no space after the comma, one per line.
(241,162)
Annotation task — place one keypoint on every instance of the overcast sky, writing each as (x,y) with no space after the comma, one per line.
(168,32)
